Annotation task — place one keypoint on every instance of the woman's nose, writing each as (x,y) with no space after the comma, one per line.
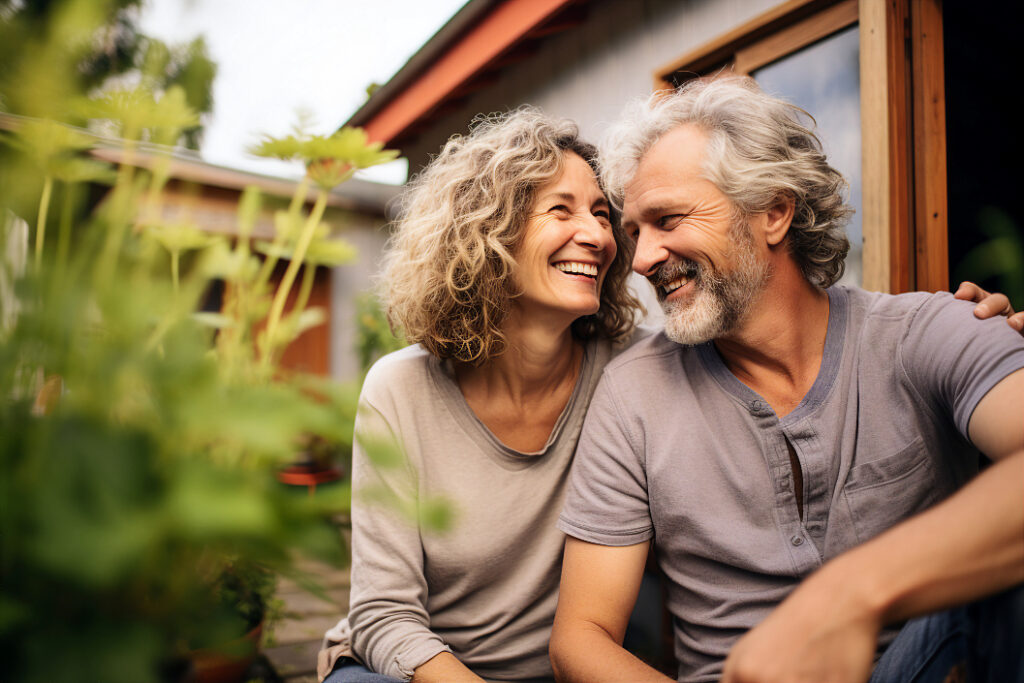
(594,234)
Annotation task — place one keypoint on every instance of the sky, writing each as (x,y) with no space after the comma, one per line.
(277,58)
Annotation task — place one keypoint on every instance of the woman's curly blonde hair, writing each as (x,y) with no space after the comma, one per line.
(449,269)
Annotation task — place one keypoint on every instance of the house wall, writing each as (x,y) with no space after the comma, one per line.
(348,282)
(588,72)
(329,348)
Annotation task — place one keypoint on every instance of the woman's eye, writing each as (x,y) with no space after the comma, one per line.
(603,213)
(561,210)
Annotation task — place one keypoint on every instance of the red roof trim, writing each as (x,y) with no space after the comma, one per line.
(500,29)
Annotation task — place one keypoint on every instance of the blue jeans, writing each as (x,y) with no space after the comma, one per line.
(982,642)
(348,670)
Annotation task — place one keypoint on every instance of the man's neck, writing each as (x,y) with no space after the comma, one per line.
(777,350)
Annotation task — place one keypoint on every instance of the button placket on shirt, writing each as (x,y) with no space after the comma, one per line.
(804,555)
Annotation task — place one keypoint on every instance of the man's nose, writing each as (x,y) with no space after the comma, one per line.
(649,254)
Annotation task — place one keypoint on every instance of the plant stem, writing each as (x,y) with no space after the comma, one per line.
(175,259)
(277,308)
(64,235)
(44,208)
(279,239)
(300,196)
(121,206)
(308,276)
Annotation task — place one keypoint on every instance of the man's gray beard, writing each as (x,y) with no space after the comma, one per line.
(720,301)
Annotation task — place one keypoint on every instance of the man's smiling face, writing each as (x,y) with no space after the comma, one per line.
(691,242)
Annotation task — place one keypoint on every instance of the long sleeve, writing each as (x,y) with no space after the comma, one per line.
(388,617)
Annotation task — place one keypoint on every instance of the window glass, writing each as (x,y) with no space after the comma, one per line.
(824,79)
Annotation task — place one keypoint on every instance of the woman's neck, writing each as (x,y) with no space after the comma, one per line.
(520,394)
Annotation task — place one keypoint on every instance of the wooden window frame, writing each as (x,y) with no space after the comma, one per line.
(904,208)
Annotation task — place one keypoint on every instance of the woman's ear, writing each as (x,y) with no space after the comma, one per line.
(778,219)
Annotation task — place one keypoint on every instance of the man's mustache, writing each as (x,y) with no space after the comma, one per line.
(673,270)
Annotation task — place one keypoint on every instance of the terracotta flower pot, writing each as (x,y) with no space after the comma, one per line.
(229,664)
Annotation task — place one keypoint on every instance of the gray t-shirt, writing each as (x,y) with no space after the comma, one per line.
(486,589)
(676,449)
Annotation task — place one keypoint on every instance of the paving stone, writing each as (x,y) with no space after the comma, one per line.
(301,678)
(326,575)
(294,659)
(300,602)
(307,627)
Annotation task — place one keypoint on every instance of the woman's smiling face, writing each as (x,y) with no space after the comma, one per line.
(568,245)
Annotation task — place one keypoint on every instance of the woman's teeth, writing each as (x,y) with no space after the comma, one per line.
(576,268)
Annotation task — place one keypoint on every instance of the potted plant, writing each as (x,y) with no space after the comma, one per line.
(139,517)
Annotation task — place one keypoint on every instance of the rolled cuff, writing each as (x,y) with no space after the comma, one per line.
(618,538)
(409,659)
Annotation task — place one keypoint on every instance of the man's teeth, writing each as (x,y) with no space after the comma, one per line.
(674,285)
(576,268)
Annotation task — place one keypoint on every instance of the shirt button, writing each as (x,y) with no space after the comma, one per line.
(797,540)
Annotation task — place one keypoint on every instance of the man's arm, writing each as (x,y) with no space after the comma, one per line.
(598,590)
(965,548)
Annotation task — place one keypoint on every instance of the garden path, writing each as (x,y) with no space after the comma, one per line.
(297,636)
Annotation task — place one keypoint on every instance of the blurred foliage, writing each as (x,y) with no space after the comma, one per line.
(998,260)
(95,47)
(374,337)
(139,515)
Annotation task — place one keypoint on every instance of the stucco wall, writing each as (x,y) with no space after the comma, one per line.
(588,72)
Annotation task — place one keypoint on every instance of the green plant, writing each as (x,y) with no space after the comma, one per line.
(139,518)
(374,337)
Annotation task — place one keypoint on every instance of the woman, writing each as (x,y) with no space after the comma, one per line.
(509,272)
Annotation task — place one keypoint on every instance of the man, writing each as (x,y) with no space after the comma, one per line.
(799,454)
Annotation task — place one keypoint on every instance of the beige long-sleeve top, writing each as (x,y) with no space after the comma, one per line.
(486,589)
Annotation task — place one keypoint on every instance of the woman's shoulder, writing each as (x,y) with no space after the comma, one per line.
(399,370)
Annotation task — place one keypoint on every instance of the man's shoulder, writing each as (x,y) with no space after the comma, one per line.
(875,311)
(648,347)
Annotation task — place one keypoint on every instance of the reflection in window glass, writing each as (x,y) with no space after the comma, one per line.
(824,79)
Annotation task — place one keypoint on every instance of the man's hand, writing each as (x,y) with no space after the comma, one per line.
(990,305)
(964,548)
(820,634)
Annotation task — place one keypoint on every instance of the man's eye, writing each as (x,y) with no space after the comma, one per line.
(633,235)
(671,220)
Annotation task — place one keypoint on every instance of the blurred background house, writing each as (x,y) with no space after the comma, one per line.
(908,95)
(357,212)
(207,195)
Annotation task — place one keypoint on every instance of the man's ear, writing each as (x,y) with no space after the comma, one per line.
(778,219)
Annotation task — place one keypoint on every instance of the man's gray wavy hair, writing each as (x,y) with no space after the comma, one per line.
(758,151)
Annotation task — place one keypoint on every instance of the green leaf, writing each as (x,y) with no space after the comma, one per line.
(184,236)
(248,210)
(330,253)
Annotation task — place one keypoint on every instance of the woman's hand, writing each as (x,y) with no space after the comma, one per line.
(990,305)
(444,668)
